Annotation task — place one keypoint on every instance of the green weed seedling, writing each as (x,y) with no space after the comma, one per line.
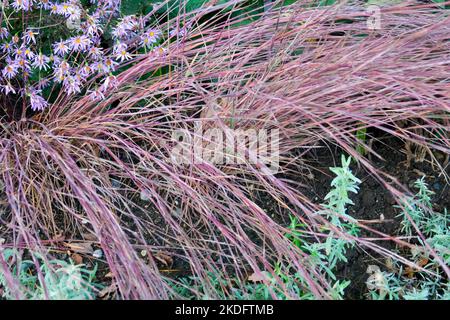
(62,280)
(435,227)
(326,255)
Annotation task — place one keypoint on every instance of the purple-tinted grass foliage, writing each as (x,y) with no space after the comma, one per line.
(296,69)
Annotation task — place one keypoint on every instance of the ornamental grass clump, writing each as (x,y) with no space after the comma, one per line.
(96,156)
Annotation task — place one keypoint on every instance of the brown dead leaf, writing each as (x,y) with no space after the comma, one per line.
(257,277)
(390,264)
(77,259)
(107,292)
(422,262)
(164,259)
(80,247)
(409,272)
(89,237)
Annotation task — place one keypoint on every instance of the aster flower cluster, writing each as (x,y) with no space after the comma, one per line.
(73,61)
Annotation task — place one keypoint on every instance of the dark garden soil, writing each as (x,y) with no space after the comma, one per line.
(373,200)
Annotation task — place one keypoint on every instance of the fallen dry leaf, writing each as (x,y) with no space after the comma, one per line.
(257,277)
(390,264)
(77,259)
(372,268)
(409,272)
(89,237)
(376,280)
(107,292)
(422,262)
(164,258)
(59,237)
(80,247)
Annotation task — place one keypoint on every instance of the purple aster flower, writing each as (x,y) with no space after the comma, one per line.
(72,84)
(18,52)
(79,43)
(110,65)
(41,62)
(28,53)
(45,4)
(54,8)
(91,26)
(121,53)
(37,102)
(24,64)
(106,66)
(65,9)
(3,33)
(95,53)
(159,51)
(61,48)
(11,69)
(15,39)
(125,28)
(8,88)
(86,71)
(61,70)
(150,37)
(24,5)
(7,47)
(96,94)
(123,56)
(109,83)
(29,36)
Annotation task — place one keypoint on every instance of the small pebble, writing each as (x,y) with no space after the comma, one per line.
(144,253)
(2,240)
(437,186)
(98,254)
(115,183)
(145,196)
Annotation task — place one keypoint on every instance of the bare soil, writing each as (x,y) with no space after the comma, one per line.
(373,200)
